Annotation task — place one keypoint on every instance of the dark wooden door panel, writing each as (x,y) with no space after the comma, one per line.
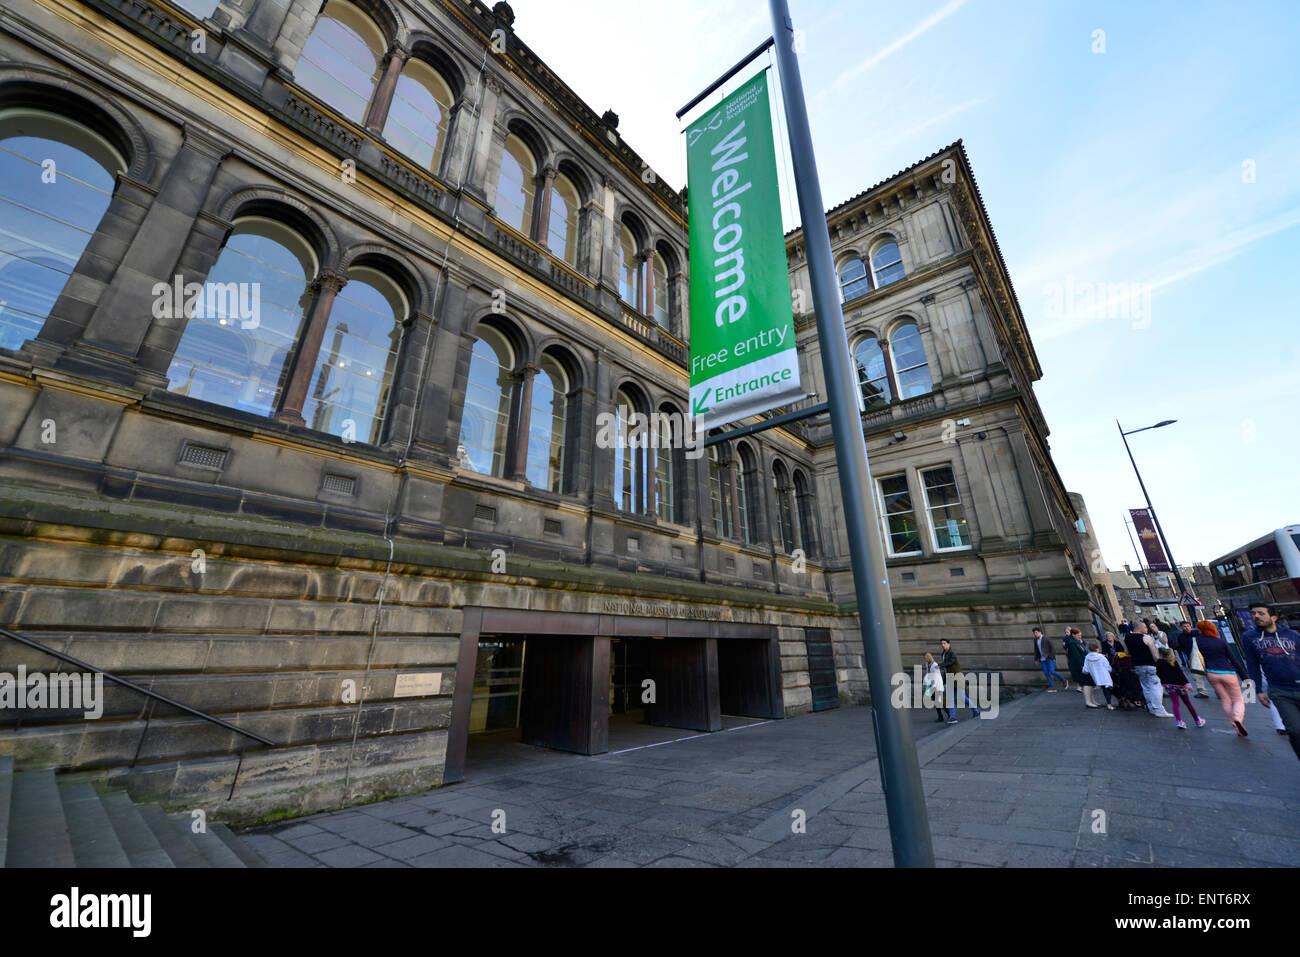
(821,669)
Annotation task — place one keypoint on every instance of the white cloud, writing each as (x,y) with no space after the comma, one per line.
(862,66)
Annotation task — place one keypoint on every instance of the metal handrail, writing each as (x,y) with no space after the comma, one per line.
(135,687)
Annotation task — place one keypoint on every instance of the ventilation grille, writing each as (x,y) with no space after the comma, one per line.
(678,553)
(758,571)
(957,572)
(633,543)
(731,564)
(909,576)
(485,513)
(552,526)
(204,456)
(345,484)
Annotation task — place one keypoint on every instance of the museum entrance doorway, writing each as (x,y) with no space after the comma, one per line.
(534,678)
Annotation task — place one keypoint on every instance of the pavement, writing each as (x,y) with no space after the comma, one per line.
(1045,783)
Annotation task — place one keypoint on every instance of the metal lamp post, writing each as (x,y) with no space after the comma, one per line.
(1182,588)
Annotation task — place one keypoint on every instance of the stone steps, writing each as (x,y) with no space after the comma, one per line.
(50,821)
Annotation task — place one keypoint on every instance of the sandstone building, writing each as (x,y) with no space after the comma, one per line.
(309,317)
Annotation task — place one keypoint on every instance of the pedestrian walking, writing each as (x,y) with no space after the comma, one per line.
(1223,673)
(1142,649)
(934,685)
(1075,652)
(1175,684)
(952,668)
(1273,652)
(1045,657)
(1096,666)
(1185,645)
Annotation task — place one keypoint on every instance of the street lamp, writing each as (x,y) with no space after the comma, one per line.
(1151,508)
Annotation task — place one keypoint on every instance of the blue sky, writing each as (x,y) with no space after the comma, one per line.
(1124,173)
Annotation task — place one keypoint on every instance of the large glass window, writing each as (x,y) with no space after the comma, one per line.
(784,507)
(873,377)
(748,499)
(807,527)
(943,504)
(661,290)
(627,266)
(665,471)
(354,371)
(517,186)
(911,370)
(853,280)
(719,494)
(417,120)
(340,62)
(241,330)
(562,235)
(56,181)
(485,422)
(546,426)
(629,463)
(904,537)
(887,264)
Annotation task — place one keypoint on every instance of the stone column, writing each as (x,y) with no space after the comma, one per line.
(602,460)
(437,426)
(648,271)
(518,464)
(324,287)
(542,205)
(651,458)
(734,480)
(122,317)
(382,100)
(945,354)
(404,397)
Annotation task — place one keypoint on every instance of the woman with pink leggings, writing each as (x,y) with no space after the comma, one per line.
(1221,671)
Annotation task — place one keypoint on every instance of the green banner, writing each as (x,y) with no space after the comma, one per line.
(743,355)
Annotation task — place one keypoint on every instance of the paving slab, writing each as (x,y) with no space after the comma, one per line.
(1020,790)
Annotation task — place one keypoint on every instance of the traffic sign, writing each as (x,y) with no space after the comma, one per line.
(1189,602)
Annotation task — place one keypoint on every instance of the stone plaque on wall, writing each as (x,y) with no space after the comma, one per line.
(418,684)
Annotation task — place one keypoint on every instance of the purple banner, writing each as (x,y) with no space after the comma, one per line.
(1146,530)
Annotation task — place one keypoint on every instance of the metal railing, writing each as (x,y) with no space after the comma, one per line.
(153,697)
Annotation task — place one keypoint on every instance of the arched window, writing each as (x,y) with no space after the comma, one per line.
(887,264)
(720,493)
(627,266)
(418,118)
(911,370)
(240,331)
(748,497)
(807,523)
(665,454)
(873,377)
(56,181)
(546,426)
(784,506)
(853,280)
(630,485)
(354,371)
(517,186)
(341,60)
(485,421)
(661,290)
(562,235)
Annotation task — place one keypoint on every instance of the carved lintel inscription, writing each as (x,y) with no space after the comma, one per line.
(659,609)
